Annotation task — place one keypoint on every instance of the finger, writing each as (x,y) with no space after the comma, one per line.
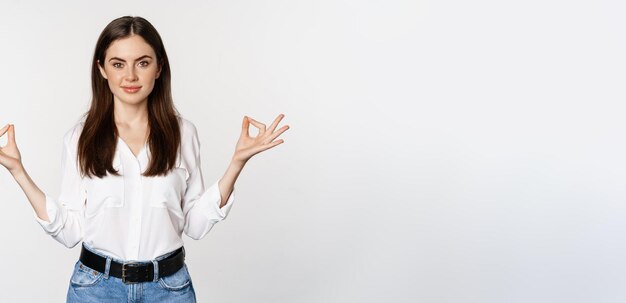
(265,147)
(11,135)
(277,142)
(258,125)
(245,125)
(4,130)
(275,123)
(277,133)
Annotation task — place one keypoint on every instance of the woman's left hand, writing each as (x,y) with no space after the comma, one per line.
(248,146)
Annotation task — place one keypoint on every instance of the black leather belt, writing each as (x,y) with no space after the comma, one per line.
(134,272)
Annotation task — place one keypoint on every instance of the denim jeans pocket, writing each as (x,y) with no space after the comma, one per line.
(84,276)
(177,281)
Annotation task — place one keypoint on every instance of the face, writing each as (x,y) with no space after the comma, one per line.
(130,67)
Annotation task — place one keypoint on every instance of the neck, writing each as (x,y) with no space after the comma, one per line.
(131,115)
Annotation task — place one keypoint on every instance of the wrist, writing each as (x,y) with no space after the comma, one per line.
(237,163)
(17,171)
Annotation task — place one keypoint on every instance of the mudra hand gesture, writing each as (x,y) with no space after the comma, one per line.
(9,154)
(248,146)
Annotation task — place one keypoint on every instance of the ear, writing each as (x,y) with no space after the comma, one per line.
(158,74)
(102,72)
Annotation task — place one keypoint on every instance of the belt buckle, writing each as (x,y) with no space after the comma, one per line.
(125,266)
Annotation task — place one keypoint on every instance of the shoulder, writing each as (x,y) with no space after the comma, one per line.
(187,128)
(189,143)
(72,135)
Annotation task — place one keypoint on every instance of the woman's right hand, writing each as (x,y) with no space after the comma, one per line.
(9,154)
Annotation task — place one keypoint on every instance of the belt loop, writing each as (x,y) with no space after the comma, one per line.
(107,268)
(156,270)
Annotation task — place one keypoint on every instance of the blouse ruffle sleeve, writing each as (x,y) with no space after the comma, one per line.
(66,213)
(201,207)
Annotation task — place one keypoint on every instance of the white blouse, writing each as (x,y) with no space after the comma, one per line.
(132,217)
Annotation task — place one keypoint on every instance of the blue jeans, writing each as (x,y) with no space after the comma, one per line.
(88,285)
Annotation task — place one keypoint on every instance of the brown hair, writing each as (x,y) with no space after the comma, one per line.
(98,140)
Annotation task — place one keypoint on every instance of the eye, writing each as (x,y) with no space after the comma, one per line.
(144,63)
(117,65)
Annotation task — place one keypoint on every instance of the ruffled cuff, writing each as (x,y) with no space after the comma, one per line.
(52,210)
(215,198)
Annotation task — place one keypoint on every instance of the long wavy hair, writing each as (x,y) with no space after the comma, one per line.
(98,140)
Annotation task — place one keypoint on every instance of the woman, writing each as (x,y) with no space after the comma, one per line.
(131,176)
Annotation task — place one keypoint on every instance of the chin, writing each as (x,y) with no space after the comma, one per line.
(134,101)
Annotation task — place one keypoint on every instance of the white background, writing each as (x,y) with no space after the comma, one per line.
(439,151)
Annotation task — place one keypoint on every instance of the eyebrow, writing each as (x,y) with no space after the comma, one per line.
(120,59)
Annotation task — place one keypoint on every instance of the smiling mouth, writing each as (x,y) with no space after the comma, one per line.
(131,89)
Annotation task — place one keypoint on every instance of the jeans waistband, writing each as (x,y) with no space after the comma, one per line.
(161,257)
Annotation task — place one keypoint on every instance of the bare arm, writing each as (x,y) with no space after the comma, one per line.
(247,147)
(11,159)
(227,182)
(35,196)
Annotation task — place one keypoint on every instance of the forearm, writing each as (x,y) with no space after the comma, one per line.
(35,196)
(227,182)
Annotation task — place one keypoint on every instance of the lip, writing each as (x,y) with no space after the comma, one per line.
(131,89)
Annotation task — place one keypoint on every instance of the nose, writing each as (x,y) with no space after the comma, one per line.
(131,74)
